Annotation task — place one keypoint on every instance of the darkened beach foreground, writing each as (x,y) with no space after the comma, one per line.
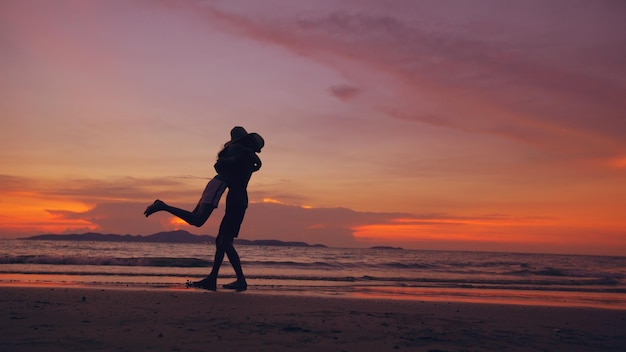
(89,319)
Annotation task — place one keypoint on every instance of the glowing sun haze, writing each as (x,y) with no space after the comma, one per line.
(465,125)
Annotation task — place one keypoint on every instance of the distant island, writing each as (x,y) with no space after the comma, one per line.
(179,236)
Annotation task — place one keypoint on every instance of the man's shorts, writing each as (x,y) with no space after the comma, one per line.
(213,192)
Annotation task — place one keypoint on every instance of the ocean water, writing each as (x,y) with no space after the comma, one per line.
(595,281)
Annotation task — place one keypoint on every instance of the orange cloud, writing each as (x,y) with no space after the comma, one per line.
(31,206)
(618,163)
(96,206)
(487,229)
(272,200)
(28,212)
(541,235)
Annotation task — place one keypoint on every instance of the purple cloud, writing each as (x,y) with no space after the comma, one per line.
(344,92)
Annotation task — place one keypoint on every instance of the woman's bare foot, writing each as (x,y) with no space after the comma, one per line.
(154,207)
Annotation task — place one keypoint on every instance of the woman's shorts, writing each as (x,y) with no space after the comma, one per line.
(213,192)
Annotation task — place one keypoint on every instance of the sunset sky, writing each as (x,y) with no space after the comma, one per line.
(482,125)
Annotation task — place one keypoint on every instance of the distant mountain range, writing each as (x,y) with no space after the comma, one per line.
(179,236)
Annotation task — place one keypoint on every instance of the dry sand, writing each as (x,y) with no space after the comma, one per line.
(79,319)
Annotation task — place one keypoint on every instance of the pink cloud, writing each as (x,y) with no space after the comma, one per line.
(488,78)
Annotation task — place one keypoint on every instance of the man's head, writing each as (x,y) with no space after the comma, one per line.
(252,140)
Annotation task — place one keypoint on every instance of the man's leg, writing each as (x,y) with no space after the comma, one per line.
(230,227)
(210,282)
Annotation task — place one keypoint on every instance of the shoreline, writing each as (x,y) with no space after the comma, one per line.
(573,299)
(127,319)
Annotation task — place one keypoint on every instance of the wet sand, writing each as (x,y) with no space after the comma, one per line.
(90,319)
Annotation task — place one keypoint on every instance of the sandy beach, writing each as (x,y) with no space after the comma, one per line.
(90,319)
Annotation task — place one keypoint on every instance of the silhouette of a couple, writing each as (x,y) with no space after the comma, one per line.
(235,164)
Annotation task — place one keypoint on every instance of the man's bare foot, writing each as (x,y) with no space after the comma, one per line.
(209,283)
(239,285)
(154,207)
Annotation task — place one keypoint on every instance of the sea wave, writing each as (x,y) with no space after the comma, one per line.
(105,261)
(195,262)
(406,269)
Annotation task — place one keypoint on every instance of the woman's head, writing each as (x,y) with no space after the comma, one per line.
(237,132)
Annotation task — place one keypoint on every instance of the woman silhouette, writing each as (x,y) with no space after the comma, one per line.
(235,164)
